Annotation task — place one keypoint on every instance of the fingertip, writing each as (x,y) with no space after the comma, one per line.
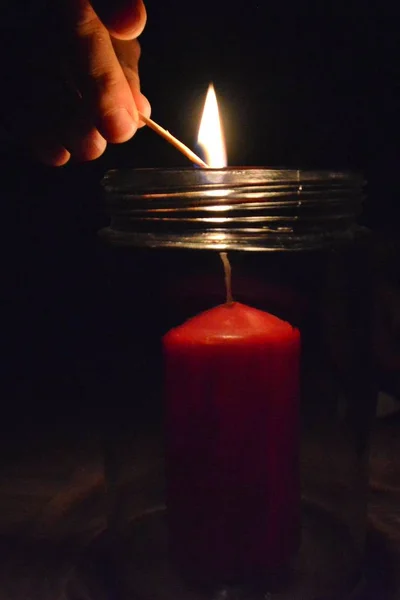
(128,22)
(88,147)
(143,106)
(53,156)
(118,126)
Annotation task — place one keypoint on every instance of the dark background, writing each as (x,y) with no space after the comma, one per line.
(298,86)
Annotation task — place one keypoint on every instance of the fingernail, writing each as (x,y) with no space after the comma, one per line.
(128,22)
(118,126)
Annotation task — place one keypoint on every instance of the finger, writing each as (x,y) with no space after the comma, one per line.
(85,143)
(101,79)
(128,54)
(143,106)
(59,127)
(124,19)
(79,135)
(50,154)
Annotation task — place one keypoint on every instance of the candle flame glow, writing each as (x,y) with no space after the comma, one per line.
(211,136)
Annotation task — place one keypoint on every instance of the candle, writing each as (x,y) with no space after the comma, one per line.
(232,393)
(232,399)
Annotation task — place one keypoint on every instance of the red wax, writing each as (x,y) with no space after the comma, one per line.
(233,491)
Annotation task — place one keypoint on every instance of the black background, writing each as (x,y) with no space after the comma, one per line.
(299,85)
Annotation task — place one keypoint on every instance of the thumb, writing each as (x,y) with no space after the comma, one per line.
(124,19)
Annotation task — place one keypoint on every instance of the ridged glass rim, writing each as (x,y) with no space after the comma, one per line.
(243,208)
(130,180)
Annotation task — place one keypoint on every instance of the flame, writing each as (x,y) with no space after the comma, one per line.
(211,136)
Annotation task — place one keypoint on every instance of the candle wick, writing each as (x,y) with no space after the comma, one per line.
(228,276)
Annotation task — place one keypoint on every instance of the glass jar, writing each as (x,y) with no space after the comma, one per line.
(236,462)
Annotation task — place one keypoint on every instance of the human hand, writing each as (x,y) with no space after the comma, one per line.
(78,87)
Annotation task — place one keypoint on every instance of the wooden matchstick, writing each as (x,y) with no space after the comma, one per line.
(173,140)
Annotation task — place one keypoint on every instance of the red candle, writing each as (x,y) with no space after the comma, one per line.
(233,491)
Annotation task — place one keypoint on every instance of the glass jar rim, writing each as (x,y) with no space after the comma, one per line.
(149,177)
(243,208)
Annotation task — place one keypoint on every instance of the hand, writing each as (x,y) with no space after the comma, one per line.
(77,84)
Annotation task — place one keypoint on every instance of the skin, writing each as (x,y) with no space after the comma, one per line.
(81,87)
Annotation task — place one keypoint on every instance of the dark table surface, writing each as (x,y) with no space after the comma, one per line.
(52,507)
